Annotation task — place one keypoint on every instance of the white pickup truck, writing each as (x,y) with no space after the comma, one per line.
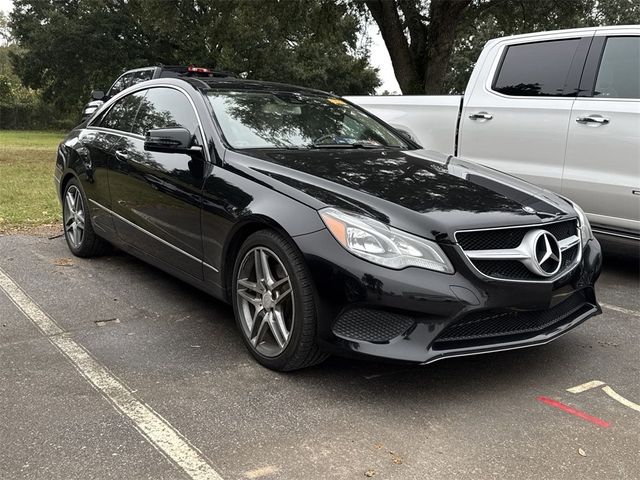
(559,109)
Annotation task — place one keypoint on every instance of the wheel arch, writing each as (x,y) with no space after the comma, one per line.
(243,230)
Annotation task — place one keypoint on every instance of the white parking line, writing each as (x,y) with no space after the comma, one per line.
(620,309)
(619,398)
(151,425)
(585,386)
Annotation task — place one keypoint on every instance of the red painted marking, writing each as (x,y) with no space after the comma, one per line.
(573,411)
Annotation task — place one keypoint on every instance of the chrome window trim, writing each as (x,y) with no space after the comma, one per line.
(155,237)
(542,226)
(134,89)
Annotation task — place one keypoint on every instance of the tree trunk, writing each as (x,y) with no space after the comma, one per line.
(385,14)
(444,16)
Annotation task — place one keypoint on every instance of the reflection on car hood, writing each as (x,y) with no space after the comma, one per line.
(405,188)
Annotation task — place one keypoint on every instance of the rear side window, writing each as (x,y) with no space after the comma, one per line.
(619,73)
(536,69)
(165,107)
(121,115)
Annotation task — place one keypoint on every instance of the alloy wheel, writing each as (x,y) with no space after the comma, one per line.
(265,301)
(74,216)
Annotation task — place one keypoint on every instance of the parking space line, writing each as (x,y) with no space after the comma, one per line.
(619,398)
(573,411)
(151,425)
(620,309)
(585,386)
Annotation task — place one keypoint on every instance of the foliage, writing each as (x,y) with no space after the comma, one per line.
(72,46)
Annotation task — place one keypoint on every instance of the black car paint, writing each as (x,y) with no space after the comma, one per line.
(217,198)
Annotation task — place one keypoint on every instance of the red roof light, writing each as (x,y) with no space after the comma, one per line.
(198,69)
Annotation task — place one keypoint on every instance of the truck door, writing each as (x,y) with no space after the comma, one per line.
(516,114)
(602,166)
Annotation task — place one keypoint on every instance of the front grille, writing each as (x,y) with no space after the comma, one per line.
(484,326)
(376,326)
(509,238)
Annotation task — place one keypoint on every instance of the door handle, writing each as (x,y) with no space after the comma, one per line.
(593,120)
(481,116)
(121,155)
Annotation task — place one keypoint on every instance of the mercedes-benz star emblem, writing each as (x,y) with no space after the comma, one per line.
(543,252)
(546,257)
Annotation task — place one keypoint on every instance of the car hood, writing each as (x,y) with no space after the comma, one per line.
(419,191)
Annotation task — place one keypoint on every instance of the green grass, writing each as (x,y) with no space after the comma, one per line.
(27,193)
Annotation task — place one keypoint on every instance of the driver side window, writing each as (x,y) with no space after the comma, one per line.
(120,116)
(165,107)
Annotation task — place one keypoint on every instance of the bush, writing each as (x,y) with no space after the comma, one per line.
(33,116)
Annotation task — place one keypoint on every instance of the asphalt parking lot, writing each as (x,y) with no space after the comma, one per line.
(113,369)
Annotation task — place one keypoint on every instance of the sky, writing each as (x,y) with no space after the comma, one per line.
(379,55)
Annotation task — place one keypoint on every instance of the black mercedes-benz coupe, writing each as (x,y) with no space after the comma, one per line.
(325,228)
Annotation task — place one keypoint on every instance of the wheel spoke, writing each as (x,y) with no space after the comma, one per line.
(70,222)
(260,326)
(71,203)
(258,267)
(266,269)
(283,295)
(280,282)
(76,235)
(81,216)
(246,284)
(255,301)
(278,328)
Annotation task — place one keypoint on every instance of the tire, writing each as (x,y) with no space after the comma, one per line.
(76,221)
(256,305)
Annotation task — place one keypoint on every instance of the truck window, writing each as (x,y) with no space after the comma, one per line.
(619,74)
(537,69)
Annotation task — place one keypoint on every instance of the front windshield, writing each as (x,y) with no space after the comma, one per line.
(259,119)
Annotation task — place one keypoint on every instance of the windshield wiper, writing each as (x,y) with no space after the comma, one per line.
(344,145)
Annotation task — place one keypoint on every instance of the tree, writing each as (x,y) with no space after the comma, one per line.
(69,47)
(433,44)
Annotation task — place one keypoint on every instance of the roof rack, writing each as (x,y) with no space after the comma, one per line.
(194,71)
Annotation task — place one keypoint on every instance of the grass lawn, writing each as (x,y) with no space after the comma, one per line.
(27,193)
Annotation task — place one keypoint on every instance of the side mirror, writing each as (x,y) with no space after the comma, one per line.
(97,95)
(170,140)
(404,134)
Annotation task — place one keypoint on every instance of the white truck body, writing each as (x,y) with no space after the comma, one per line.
(581,139)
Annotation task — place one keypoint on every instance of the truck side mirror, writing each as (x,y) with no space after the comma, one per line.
(97,95)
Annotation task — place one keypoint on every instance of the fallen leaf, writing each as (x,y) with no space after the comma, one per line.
(370,473)
(63,262)
(582,452)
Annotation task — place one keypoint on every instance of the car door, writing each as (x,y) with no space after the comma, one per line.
(515,117)
(98,139)
(602,166)
(156,196)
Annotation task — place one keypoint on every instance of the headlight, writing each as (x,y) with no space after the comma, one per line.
(583,223)
(383,245)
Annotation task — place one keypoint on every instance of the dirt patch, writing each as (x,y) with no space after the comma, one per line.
(47,230)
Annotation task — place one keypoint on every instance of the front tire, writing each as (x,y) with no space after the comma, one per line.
(274,303)
(76,220)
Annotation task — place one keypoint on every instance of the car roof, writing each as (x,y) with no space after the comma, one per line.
(230,83)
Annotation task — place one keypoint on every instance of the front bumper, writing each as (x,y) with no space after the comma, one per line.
(421,316)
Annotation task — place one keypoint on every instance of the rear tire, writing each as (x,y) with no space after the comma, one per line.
(76,221)
(274,303)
